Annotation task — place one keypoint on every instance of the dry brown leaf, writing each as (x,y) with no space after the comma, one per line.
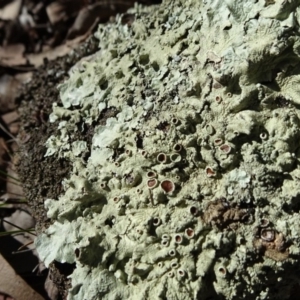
(23,77)
(38,8)
(10,117)
(56,12)
(79,38)
(51,289)
(52,53)
(37,59)
(14,148)
(22,219)
(14,128)
(5,297)
(13,187)
(11,121)
(60,11)
(12,55)
(13,285)
(83,22)
(90,15)
(3,151)
(9,87)
(11,10)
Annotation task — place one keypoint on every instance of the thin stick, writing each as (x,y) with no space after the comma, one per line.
(25,245)
(8,133)
(35,268)
(22,251)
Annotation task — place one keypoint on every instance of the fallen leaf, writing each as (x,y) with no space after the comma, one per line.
(56,12)
(12,55)
(14,128)
(11,10)
(83,22)
(101,10)
(3,151)
(5,297)
(11,120)
(61,11)
(10,117)
(37,59)
(9,87)
(51,289)
(79,37)
(13,285)
(13,185)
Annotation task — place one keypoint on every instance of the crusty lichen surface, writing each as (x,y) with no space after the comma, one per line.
(190,189)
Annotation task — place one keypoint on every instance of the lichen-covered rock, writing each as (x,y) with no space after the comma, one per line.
(190,188)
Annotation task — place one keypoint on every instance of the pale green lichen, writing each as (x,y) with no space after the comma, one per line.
(201,97)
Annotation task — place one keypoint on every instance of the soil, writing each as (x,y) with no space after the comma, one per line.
(42,176)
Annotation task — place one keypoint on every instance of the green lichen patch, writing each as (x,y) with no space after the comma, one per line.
(198,149)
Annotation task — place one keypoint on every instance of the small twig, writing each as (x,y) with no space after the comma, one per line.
(35,268)
(8,133)
(22,251)
(25,245)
